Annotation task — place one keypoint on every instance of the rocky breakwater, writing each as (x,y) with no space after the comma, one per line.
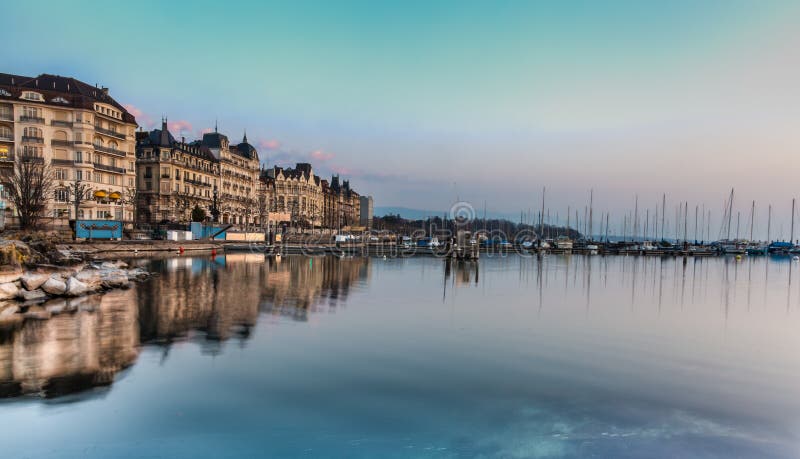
(26,285)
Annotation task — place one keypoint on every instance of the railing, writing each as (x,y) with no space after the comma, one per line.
(105,131)
(6,117)
(62,162)
(23,157)
(61,123)
(61,143)
(197,182)
(109,150)
(29,139)
(31,119)
(107,168)
(164,175)
(6,138)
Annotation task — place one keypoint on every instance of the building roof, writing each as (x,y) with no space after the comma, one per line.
(74,93)
(163,138)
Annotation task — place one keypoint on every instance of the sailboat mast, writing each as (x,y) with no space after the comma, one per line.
(635,232)
(730,215)
(791,237)
(769,222)
(696,210)
(663,213)
(752,217)
(591,219)
(685,218)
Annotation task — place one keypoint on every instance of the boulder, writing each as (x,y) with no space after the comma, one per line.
(76,287)
(91,278)
(33,295)
(32,281)
(113,278)
(8,291)
(10,274)
(113,265)
(54,286)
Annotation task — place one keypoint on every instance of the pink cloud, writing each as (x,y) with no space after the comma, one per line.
(142,118)
(206,131)
(180,125)
(320,155)
(269,144)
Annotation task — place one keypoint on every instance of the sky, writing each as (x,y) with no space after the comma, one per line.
(425,103)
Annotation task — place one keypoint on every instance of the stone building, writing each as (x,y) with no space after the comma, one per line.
(173,177)
(296,194)
(81,132)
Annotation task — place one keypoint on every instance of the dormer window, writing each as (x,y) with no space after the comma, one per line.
(3,92)
(30,95)
(60,100)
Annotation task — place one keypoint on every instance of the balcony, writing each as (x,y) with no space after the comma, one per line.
(196,182)
(107,168)
(6,117)
(164,175)
(61,143)
(23,157)
(109,132)
(109,150)
(4,138)
(31,119)
(61,123)
(62,162)
(28,139)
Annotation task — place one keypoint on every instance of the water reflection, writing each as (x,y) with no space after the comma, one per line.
(72,351)
(207,299)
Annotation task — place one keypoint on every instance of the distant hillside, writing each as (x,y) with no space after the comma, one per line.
(408,214)
(419,214)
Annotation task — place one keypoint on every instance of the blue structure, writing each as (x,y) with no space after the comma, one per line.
(201,231)
(98,229)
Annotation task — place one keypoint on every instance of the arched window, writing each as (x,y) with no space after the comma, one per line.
(60,135)
(32,132)
(98,141)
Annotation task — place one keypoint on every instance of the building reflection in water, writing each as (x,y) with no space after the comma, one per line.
(205,299)
(71,351)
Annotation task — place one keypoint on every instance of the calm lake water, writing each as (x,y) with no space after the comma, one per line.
(242,356)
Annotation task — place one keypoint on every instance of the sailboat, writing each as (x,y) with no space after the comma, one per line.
(753,247)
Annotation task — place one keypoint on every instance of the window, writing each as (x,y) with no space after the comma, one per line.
(78,174)
(112,179)
(98,177)
(148,172)
(30,95)
(32,112)
(31,150)
(130,182)
(62,195)
(6,133)
(148,186)
(80,213)
(3,92)
(61,174)
(32,132)
(60,100)
(78,156)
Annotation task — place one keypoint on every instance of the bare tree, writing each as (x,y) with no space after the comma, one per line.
(78,193)
(129,197)
(29,183)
